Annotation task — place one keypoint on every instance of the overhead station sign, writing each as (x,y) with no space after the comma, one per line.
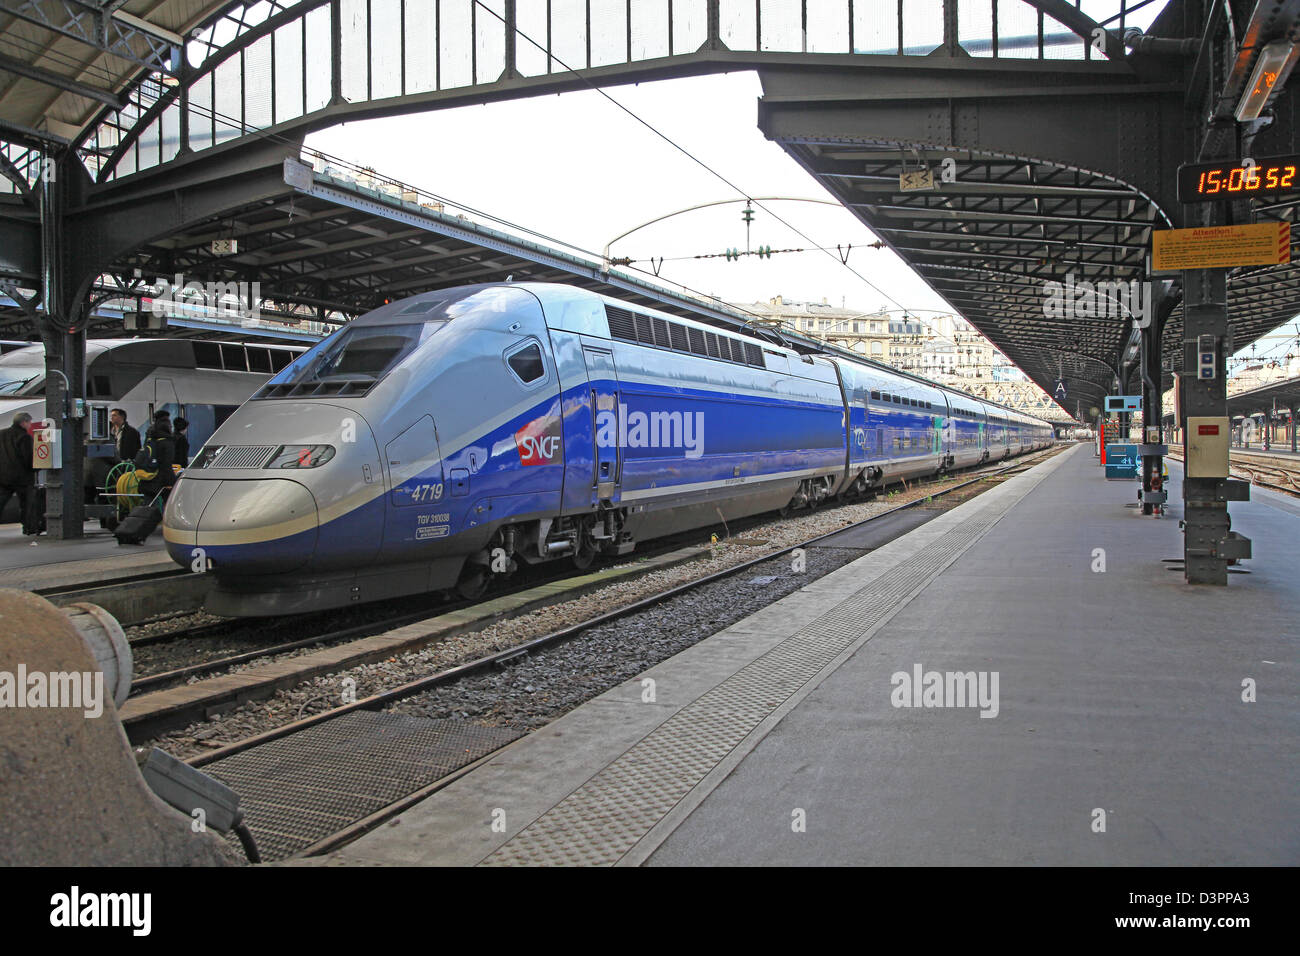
(1221,247)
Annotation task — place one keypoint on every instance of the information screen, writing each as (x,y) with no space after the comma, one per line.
(1207,182)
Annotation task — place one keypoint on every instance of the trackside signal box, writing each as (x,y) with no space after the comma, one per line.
(1207,447)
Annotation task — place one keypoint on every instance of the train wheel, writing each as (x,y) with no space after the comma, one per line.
(586,553)
(474,580)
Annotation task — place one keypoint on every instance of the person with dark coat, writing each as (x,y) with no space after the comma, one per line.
(158,454)
(17,476)
(126,437)
(182,442)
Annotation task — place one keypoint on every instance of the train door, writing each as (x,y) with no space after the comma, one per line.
(606,423)
(420,495)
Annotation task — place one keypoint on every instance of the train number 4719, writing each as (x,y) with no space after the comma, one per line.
(427,492)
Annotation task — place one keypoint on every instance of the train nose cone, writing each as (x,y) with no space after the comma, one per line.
(268,525)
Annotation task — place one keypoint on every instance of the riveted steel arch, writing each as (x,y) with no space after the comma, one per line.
(314,63)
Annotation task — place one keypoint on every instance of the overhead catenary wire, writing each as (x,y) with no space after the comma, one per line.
(691,156)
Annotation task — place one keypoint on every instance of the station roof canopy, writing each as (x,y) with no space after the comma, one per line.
(1010,243)
(1280,395)
(341,241)
(67,60)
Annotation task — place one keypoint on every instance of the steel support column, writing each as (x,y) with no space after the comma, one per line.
(64,335)
(1205,518)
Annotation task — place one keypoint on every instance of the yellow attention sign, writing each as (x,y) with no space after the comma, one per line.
(1218,247)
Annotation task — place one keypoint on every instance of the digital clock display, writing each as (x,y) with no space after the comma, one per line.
(1238,179)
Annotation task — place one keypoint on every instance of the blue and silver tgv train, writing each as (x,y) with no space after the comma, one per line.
(441,439)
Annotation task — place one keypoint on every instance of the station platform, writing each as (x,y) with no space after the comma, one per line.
(1116,734)
(1280,450)
(32,563)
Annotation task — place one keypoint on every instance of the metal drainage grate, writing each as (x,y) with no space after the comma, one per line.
(600,821)
(300,789)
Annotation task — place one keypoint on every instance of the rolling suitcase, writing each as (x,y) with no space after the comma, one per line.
(137,525)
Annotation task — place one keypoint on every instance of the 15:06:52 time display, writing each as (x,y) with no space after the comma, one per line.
(1237,179)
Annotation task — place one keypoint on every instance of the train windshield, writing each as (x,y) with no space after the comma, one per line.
(371,346)
(15,378)
(358,352)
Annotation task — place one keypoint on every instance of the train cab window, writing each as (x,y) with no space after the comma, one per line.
(527,363)
(358,355)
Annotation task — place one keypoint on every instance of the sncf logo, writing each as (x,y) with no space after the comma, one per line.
(539,441)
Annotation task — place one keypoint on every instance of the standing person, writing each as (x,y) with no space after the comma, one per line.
(182,442)
(17,476)
(126,438)
(158,454)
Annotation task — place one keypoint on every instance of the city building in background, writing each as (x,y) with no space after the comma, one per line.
(862,332)
(942,347)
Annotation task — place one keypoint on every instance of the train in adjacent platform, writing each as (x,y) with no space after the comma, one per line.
(203,381)
(446,438)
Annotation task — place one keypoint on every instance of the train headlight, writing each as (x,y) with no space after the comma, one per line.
(301,456)
(206,456)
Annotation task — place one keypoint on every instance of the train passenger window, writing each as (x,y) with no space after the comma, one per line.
(527,363)
(258,360)
(207,355)
(875,396)
(661,333)
(233,358)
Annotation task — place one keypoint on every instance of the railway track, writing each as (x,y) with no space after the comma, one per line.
(952,495)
